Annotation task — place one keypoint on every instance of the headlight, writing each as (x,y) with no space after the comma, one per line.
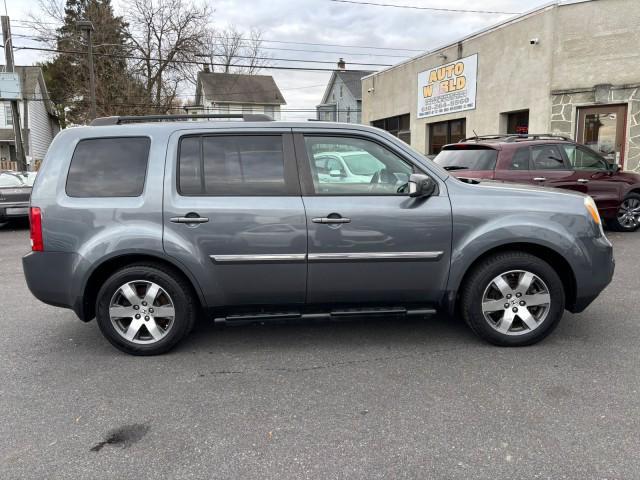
(590,205)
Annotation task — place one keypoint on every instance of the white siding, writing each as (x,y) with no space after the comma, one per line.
(40,128)
(346,105)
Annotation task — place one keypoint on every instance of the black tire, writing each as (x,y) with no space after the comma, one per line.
(473,290)
(175,286)
(615,224)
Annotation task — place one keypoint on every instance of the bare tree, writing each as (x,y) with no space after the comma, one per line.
(229,51)
(50,17)
(236,52)
(164,33)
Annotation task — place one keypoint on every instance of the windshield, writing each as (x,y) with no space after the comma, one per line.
(362,163)
(466,159)
(10,180)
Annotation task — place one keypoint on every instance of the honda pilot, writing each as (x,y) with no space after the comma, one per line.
(147,225)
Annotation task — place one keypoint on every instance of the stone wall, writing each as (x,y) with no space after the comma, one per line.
(564,114)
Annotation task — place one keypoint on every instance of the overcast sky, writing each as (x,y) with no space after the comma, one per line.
(328,22)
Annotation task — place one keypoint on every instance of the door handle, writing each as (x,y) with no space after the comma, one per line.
(189,219)
(583,180)
(330,220)
(539,179)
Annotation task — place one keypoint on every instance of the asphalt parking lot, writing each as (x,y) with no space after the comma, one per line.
(386,398)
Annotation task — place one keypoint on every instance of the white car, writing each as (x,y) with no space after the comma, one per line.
(347,167)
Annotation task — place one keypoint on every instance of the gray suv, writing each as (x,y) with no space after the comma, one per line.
(147,225)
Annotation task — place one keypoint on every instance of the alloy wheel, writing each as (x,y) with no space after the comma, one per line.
(516,302)
(629,213)
(141,312)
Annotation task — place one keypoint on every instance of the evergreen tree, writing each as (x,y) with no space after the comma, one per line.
(67,76)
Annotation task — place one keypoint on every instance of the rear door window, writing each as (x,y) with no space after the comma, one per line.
(520,159)
(108,167)
(232,165)
(467,159)
(547,157)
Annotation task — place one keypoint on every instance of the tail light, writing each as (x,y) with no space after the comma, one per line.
(35,220)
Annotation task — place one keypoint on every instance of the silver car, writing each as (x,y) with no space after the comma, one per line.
(15,192)
(148,225)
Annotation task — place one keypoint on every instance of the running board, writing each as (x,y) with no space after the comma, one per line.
(336,315)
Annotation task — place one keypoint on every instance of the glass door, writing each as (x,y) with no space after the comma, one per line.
(603,129)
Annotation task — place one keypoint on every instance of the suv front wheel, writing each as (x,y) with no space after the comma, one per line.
(144,309)
(513,299)
(628,217)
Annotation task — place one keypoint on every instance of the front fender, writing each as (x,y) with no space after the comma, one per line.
(469,244)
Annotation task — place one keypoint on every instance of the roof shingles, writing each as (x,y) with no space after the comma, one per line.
(238,88)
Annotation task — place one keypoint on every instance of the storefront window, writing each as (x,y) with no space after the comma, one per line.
(442,133)
(398,126)
(518,123)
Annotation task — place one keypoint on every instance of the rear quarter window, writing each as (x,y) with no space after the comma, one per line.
(108,167)
(467,159)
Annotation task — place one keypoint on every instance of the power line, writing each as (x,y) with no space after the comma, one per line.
(413,7)
(371,47)
(186,62)
(275,59)
(334,45)
(43,39)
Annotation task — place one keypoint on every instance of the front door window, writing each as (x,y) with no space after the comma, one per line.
(602,130)
(354,166)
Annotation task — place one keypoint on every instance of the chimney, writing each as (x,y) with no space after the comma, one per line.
(341,64)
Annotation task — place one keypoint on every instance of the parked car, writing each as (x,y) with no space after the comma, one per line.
(15,190)
(347,167)
(549,161)
(148,225)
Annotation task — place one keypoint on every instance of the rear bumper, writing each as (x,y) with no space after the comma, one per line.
(595,275)
(14,210)
(51,278)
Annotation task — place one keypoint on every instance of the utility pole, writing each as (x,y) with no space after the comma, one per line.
(88,27)
(15,112)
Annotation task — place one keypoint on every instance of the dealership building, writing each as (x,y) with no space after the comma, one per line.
(570,68)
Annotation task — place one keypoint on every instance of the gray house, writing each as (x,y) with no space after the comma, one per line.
(237,93)
(38,120)
(342,100)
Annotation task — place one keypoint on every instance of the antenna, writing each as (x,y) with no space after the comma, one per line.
(476,135)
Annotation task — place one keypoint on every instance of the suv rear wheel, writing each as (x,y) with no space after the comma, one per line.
(628,217)
(513,299)
(145,310)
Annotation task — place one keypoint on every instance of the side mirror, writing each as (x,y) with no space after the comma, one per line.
(336,173)
(421,185)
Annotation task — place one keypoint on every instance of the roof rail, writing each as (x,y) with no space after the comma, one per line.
(119,120)
(535,136)
(482,137)
(515,137)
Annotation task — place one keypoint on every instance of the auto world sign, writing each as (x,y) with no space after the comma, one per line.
(448,88)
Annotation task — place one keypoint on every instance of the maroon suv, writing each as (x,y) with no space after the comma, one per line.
(549,161)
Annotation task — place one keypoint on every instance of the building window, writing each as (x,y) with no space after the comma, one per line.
(518,122)
(340,91)
(442,133)
(8,115)
(400,126)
